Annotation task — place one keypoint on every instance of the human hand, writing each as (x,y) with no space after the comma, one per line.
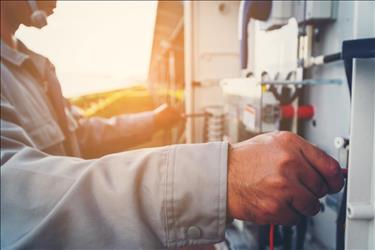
(275,178)
(166,116)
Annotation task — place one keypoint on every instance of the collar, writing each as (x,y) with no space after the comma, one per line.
(16,57)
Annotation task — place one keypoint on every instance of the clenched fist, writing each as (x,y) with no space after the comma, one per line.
(277,177)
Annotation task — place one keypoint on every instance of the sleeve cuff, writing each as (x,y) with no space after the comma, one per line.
(196,194)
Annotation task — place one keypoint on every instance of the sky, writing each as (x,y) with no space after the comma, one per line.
(96,45)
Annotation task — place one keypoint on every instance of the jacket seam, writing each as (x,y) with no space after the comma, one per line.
(223,185)
(166,199)
(172,194)
(165,165)
(219,187)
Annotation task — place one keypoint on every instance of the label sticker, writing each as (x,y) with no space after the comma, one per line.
(248,118)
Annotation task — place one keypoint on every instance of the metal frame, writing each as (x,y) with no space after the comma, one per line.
(360,223)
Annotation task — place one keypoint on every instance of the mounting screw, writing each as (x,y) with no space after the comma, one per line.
(341,142)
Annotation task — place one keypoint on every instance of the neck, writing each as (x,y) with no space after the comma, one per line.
(8,29)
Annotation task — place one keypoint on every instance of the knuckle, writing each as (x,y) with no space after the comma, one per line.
(285,159)
(279,182)
(286,136)
(321,156)
(273,208)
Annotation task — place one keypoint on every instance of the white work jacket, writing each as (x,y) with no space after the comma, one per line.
(145,199)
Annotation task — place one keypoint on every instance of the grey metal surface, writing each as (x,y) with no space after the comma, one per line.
(332,107)
(360,222)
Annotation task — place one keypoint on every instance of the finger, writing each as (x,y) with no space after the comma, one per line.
(275,210)
(312,180)
(324,164)
(304,201)
(288,216)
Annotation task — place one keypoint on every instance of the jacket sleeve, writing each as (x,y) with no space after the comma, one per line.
(152,198)
(99,136)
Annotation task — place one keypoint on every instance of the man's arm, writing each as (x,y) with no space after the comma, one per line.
(163,197)
(99,136)
(153,198)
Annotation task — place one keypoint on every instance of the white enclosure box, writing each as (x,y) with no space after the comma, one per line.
(275,52)
(211,53)
(215,47)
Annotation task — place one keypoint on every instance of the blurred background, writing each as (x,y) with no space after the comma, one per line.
(96,46)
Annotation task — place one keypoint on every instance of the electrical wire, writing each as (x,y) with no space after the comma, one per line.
(272,238)
(332,57)
(340,222)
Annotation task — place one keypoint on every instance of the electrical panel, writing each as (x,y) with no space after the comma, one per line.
(296,78)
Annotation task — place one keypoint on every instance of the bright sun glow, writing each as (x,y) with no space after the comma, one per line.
(96,45)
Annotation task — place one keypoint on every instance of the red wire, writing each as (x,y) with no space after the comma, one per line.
(272,232)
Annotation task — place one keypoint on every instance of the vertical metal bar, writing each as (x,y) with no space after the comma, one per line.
(188,44)
(360,230)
